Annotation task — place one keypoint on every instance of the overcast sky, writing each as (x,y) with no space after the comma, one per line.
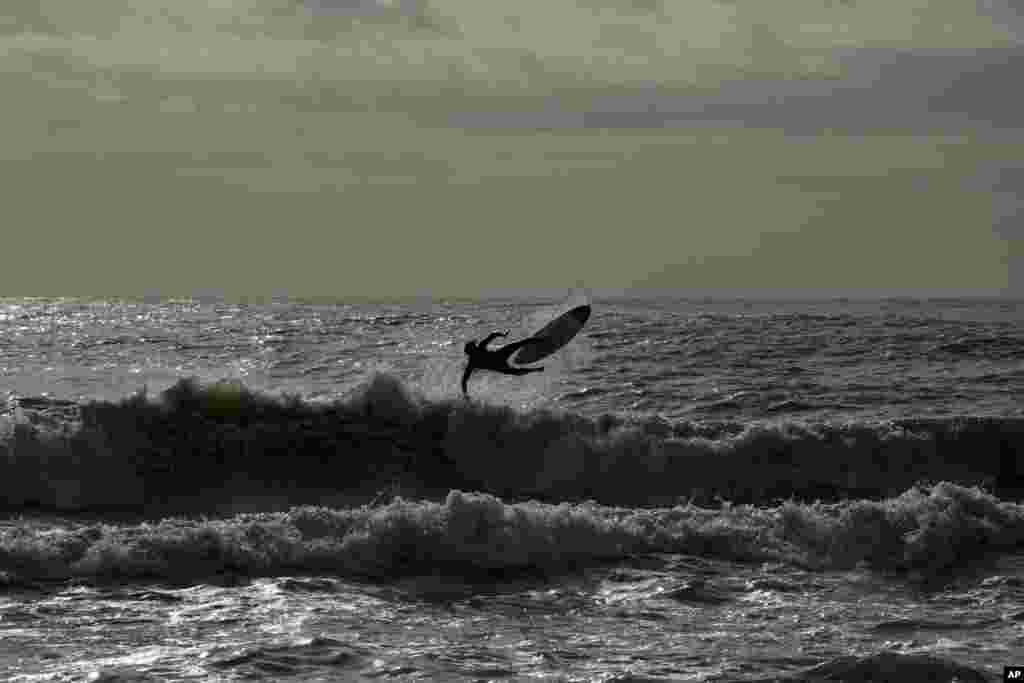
(460,148)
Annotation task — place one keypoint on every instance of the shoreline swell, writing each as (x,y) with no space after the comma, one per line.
(924,534)
(219,481)
(223,448)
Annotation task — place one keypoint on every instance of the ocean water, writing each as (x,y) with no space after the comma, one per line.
(681,359)
(693,490)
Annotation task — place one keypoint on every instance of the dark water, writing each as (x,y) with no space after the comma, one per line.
(642,510)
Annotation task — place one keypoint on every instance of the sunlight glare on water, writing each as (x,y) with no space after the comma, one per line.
(680,618)
(330,597)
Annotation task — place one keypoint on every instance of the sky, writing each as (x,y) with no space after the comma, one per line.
(353,148)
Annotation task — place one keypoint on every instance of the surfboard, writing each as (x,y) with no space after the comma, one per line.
(553,336)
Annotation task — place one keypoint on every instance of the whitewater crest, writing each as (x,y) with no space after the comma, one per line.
(385,483)
(925,531)
(195,448)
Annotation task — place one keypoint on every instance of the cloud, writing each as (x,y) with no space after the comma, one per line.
(531,44)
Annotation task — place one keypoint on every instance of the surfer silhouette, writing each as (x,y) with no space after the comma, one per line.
(482,358)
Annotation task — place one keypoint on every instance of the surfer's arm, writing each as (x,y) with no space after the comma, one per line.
(492,336)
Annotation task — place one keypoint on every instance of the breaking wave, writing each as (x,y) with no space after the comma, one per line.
(212,448)
(336,484)
(927,531)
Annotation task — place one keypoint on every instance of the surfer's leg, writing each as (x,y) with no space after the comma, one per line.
(465,378)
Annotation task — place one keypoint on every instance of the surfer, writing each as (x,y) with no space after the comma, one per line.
(482,358)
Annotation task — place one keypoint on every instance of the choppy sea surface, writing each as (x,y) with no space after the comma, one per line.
(681,359)
(693,490)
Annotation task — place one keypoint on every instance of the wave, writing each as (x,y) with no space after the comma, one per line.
(479,537)
(223,447)
(291,659)
(887,666)
(992,347)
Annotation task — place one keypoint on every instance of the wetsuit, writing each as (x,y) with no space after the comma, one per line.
(482,358)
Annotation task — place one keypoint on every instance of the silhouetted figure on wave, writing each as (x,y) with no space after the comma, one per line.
(482,358)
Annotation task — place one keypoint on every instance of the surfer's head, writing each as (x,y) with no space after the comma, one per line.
(469,348)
